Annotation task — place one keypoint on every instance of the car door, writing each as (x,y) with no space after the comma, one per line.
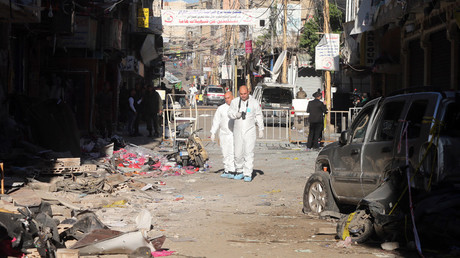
(346,163)
(380,146)
(420,116)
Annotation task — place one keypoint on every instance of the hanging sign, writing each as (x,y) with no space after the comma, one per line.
(327,53)
(143,18)
(248,46)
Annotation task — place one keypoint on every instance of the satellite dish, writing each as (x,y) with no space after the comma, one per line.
(278,64)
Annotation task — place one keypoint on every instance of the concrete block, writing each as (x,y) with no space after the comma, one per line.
(67,253)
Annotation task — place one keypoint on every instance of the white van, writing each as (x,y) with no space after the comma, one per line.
(276,101)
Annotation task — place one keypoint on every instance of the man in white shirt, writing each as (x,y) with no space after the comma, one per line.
(247,113)
(193,91)
(224,124)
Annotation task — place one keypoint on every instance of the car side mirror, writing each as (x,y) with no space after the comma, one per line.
(343,139)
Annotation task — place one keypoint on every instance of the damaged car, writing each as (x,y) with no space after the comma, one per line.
(410,138)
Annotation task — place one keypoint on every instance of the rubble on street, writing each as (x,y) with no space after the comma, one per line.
(53,202)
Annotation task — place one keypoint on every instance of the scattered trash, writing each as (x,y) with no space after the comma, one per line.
(147,187)
(390,246)
(273,191)
(162,253)
(144,220)
(117,204)
(304,251)
(344,243)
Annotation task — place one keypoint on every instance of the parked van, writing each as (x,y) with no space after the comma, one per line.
(276,101)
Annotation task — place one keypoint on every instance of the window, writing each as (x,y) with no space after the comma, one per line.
(415,118)
(360,126)
(277,95)
(215,90)
(388,121)
(451,126)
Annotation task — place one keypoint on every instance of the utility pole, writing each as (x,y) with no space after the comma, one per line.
(235,60)
(284,71)
(248,55)
(327,73)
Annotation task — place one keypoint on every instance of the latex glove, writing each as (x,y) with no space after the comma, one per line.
(238,115)
(261,134)
(213,137)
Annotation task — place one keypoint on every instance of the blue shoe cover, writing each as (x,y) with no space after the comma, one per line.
(239,176)
(247,179)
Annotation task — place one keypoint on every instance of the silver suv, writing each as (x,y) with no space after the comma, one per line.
(348,170)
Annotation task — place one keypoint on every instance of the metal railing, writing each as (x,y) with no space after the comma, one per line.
(280,124)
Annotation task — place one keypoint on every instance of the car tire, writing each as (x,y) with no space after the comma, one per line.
(364,228)
(317,195)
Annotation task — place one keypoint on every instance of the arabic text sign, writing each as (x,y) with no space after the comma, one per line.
(199,17)
(327,53)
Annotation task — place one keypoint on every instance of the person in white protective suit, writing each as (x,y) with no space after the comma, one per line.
(247,113)
(224,124)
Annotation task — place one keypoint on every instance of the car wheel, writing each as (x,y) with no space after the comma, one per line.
(360,229)
(317,195)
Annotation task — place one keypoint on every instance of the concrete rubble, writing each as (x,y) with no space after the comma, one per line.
(94,205)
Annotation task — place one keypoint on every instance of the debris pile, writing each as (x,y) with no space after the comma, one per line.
(52,202)
(37,229)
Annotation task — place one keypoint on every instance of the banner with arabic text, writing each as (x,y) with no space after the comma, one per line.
(199,17)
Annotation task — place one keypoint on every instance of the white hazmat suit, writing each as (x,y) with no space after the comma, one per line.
(224,124)
(244,132)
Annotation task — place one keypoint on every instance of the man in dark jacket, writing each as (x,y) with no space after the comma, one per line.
(152,106)
(317,109)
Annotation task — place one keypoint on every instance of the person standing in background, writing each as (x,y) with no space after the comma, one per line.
(316,110)
(132,112)
(301,94)
(138,105)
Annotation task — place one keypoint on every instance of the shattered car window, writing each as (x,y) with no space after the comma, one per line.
(361,126)
(388,121)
